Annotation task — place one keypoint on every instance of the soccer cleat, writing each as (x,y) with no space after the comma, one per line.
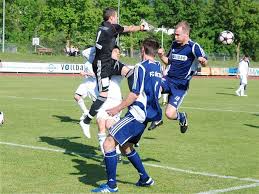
(86,129)
(184,123)
(104,188)
(136,145)
(155,124)
(147,183)
(238,93)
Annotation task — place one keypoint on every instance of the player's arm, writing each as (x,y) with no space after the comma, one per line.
(133,28)
(200,54)
(162,56)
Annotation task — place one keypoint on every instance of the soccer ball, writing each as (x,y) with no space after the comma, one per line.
(226,37)
(1,118)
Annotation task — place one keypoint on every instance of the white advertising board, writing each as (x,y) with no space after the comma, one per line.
(21,67)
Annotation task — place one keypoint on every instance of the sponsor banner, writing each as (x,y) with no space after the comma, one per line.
(253,72)
(226,71)
(40,67)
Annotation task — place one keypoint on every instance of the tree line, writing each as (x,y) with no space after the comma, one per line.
(58,23)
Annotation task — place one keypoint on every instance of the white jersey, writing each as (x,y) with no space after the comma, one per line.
(243,67)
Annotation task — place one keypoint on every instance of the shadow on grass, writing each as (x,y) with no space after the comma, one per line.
(89,173)
(66,119)
(222,93)
(254,126)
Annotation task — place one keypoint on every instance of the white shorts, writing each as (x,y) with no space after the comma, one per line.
(109,103)
(88,88)
(243,79)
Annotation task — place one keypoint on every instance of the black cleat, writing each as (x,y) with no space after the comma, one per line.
(184,124)
(155,124)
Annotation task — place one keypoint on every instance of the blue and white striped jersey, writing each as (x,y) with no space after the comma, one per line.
(183,60)
(147,82)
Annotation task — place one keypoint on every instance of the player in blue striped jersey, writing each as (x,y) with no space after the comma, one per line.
(183,58)
(143,103)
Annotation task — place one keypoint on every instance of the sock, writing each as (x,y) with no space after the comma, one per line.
(111,166)
(118,151)
(180,116)
(101,138)
(137,163)
(94,109)
(81,104)
(242,89)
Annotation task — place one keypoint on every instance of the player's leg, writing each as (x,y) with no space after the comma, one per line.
(101,132)
(175,100)
(134,158)
(238,91)
(111,167)
(243,83)
(80,93)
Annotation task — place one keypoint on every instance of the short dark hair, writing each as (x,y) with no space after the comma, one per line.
(108,12)
(185,26)
(150,46)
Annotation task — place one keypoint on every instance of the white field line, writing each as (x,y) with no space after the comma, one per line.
(187,107)
(219,110)
(230,189)
(146,164)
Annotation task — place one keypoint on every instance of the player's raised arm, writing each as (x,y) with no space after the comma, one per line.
(162,56)
(144,26)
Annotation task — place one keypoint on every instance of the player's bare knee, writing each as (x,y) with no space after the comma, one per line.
(127,148)
(171,114)
(109,144)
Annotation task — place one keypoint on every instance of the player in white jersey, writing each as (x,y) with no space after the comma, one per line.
(242,74)
(88,88)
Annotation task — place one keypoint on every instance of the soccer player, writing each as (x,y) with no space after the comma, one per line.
(89,87)
(242,74)
(103,65)
(143,104)
(183,58)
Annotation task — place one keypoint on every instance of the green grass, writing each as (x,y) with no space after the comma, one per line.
(40,113)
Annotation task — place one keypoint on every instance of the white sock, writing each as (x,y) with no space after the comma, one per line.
(165,96)
(82,106)
(101,139)
(242,89)
(118,151)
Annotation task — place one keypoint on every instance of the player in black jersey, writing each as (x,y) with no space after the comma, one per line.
(103,65)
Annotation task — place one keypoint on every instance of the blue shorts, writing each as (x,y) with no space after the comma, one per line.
(176,90)
(127,129)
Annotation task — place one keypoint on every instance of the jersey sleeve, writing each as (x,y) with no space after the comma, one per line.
(118,29)
(138,82)
(198,51)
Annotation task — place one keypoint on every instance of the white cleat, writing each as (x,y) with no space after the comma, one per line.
(85,128)
(238,93)
(1,118)
(243,95)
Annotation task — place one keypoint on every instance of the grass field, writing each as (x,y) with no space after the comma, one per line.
(42,148)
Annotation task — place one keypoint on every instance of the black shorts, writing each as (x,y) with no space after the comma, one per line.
(104,70)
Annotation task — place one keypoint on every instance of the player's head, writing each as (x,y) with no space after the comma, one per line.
(116,53)
(110,14)
(182,32)
(246,57)
(149,47)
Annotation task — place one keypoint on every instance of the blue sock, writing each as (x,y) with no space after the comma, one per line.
(137,163)
(180,116)
(111,166)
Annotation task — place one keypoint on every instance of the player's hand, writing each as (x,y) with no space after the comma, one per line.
(113,111)
(161,52)
(203,61)
(82,73)
(145,25)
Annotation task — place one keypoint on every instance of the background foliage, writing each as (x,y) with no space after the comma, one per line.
(75,21)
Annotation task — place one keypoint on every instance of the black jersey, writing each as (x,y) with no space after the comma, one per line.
(106,40)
